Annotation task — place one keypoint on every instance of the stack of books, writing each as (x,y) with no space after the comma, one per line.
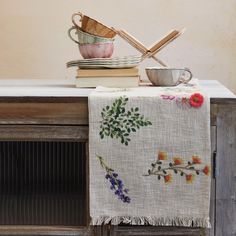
(91,78)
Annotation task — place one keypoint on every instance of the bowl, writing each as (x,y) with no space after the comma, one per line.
(85,38)
(96,50)
(92,26)
(168,76)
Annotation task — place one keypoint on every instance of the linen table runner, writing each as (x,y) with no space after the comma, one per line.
(149,156)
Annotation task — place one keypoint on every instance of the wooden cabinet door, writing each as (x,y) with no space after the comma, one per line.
(225,222)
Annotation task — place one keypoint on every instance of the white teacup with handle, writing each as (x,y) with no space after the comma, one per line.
(164,76)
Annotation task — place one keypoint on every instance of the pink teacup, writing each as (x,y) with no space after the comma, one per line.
(96,50)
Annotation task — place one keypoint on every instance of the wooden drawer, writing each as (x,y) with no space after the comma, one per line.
(73,113)
(52,111)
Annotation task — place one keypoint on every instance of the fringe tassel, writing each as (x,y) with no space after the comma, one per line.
(186,222)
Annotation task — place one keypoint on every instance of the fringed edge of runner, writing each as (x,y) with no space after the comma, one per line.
(186,222)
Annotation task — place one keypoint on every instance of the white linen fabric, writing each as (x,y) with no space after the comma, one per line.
(149,156)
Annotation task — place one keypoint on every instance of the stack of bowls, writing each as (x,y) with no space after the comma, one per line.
(95,40)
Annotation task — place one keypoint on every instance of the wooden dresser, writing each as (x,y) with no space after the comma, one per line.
(58,112)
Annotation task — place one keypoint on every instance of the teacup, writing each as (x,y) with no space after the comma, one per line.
(96,50)
(92,26)
(168,76)
(84,38)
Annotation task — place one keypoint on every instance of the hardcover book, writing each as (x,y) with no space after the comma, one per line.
(108,72)
(109,81)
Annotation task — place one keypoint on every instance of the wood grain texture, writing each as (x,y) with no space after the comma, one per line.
(87,184)
(41,230)
(43,133)
(97,231)
(211,231)
(156,231)
(223,101)
(51,111)
(213,114)
(226,171)
(44,113)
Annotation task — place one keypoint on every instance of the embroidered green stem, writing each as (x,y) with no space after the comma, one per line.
(103,164)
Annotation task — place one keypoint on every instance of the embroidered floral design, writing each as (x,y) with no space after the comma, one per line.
(196,160)
(116,184)
(189,178)
(168,178)
(195,100)
(183,102)
(119,123)
(189,170)
(206,170)
(178,161)
(168,97)
(162,156)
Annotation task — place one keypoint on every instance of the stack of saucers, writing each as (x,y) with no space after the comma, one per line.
(101,63)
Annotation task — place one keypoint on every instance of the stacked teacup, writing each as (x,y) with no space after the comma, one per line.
(95,40)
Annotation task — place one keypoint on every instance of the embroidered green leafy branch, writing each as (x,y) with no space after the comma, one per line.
(119,123)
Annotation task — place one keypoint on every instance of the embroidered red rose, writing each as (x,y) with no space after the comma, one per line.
(196,100)
(196,160)
(206,170)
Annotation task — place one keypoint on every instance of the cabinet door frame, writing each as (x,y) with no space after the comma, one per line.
(225,210)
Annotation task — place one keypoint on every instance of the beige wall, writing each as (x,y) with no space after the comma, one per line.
(34,42)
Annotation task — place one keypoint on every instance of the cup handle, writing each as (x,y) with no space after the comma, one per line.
(185,81)
(73,18)
(70,36)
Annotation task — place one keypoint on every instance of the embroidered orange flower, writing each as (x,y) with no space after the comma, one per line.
(196,160)
(196,100)
(178,161)
(189,178)
(162,156)
(168,178)
(206,170)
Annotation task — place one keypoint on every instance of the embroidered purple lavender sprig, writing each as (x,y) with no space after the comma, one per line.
(116,184)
